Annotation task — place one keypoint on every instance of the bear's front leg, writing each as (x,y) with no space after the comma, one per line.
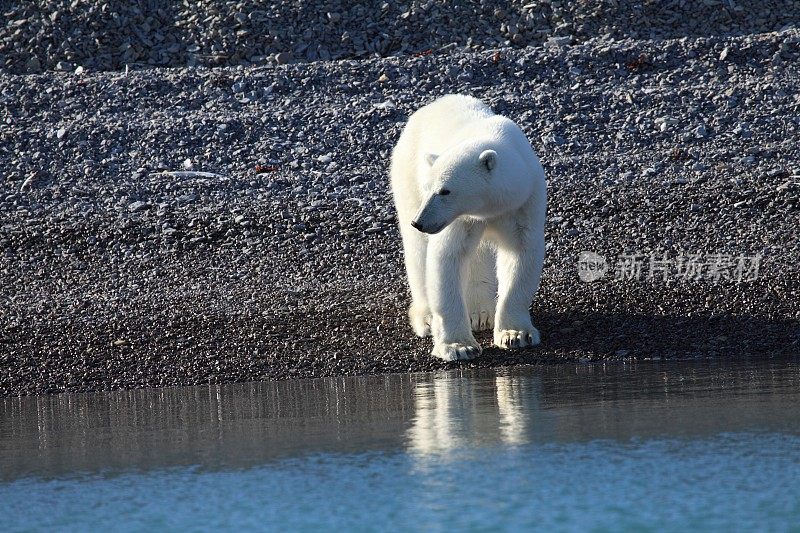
(447,253)
(519,271)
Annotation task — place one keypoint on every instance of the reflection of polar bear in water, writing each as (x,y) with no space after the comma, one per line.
(452,412)
(471,198)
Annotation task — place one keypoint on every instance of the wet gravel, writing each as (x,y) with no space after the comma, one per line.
(284,260)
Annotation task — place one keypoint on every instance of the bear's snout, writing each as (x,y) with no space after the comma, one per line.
(427,229)
(431,217)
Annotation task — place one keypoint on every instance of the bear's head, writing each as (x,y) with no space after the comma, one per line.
(481,180)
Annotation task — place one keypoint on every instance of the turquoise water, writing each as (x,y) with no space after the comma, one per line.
(674,447)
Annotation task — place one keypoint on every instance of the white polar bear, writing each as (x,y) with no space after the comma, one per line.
(471,198)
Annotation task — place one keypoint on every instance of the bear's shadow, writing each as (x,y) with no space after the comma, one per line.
(609,336)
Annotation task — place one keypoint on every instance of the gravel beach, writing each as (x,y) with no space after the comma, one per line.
(231,220)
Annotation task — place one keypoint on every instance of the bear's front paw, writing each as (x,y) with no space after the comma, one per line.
(456,351)
(515,338)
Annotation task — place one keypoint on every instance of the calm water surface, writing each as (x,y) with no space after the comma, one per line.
(661,446)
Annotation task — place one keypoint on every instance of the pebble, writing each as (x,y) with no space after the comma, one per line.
(387,105)
(700,132)
(138,206)
(32,66)
(554,139)
(559,42)
(282,58)
(742,130)
(187,198)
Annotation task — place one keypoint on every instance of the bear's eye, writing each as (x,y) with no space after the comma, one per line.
(444,192)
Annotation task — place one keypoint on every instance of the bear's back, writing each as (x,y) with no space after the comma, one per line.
(446,121)
(460,106)
(453,110)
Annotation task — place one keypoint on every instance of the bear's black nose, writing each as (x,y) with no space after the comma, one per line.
(416,225)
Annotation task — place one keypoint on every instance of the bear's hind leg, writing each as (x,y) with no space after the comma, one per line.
(415,249)
(420,317)
(480,288)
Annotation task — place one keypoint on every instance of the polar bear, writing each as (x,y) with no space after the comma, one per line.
(471,198)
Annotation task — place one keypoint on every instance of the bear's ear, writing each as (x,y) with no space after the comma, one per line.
(488,158)
(431,159)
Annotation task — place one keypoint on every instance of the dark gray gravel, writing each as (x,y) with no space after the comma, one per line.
(114,274)
(96,35)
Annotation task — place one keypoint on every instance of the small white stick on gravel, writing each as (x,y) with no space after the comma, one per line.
(27,183)
(188,174)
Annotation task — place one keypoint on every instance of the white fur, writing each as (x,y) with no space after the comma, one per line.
(476,260)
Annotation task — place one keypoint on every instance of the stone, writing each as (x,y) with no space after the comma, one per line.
(283,58)
(138,206)
(386,105)
(700,132)
(33,65)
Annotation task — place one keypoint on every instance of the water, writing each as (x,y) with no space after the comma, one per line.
(670,446)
